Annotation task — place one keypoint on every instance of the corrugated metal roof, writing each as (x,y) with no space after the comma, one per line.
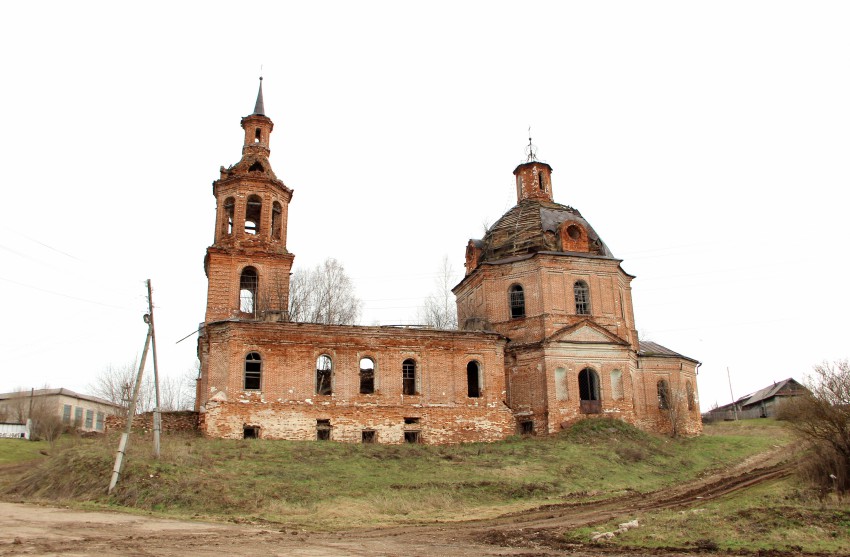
(789,385)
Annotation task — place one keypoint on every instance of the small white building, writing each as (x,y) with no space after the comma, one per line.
(82,412)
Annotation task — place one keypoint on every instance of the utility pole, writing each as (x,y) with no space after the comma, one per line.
(157,416)
(131,412)
(734,403)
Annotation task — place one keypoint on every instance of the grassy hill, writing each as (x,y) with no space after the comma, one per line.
(326,485)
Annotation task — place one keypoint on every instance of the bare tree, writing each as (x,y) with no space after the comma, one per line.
(440,309)
(17,406)
(822,418)
(45,423)
(116,384)
(178,393)
(673,401)
(324,294)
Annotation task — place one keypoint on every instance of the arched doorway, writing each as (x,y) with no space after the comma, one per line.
(588,388)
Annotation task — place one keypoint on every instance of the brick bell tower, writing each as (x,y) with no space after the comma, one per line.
(248,265)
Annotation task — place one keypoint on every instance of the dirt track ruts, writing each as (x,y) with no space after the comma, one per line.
(33,530)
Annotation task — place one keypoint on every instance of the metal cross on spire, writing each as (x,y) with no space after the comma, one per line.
(531,150)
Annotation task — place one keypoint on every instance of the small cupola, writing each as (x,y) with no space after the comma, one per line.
(258,127)
(533,181)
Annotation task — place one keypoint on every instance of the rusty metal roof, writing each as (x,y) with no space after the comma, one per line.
(649,348)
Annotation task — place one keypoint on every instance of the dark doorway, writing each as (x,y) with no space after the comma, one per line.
(588,387)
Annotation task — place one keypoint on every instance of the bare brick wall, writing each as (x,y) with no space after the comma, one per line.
(289,354)
(172,422)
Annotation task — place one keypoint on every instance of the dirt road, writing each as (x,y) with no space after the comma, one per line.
(35,530)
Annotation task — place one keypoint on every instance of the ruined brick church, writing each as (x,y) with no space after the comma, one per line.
(546,335)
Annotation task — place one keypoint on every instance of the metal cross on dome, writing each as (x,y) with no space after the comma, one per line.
(531,150)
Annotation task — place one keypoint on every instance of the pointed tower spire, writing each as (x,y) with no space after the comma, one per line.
(258,106)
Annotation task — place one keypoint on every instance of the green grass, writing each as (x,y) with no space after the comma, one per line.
(333,485)
(20,450)
(776,516)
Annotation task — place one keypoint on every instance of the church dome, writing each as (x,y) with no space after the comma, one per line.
(534,226)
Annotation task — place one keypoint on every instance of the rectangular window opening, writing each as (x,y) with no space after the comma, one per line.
(323,430)
(411,437)
(410,421)
(251,432)
(526,427)
(368,436)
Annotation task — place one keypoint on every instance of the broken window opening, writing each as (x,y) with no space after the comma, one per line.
(367,376)
(229,204)
(256,167)
(411,437)
(408,377)
(526,427)
(253,211)
(690,392)
(323,430)
(574,232)
(248,290)
(368,436)
(473,380)
(582,297)
(517,301)
(250,432)
(411,421)
(324,375)
(253,372)
(258,134)
(588,386)
(277,211)
(663,395)
(540,180)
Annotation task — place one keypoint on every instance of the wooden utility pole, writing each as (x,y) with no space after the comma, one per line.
(734,403)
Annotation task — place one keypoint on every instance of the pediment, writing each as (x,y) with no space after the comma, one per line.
(585,332)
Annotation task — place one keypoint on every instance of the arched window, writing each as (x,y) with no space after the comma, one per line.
(253,211)
(663,395)
(277,211)
(253,371)
(473,379)
(227,223)
(367,376)
(248,290)
(582,296)
(408,377)
(692,403)
(324,375)
(588,390)
(517,301)
(617,384)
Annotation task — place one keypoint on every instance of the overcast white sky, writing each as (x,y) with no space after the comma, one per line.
(706,142)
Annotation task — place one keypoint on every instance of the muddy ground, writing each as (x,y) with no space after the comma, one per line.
(37,530)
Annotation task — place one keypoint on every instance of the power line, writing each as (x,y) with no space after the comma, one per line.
(65,295)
